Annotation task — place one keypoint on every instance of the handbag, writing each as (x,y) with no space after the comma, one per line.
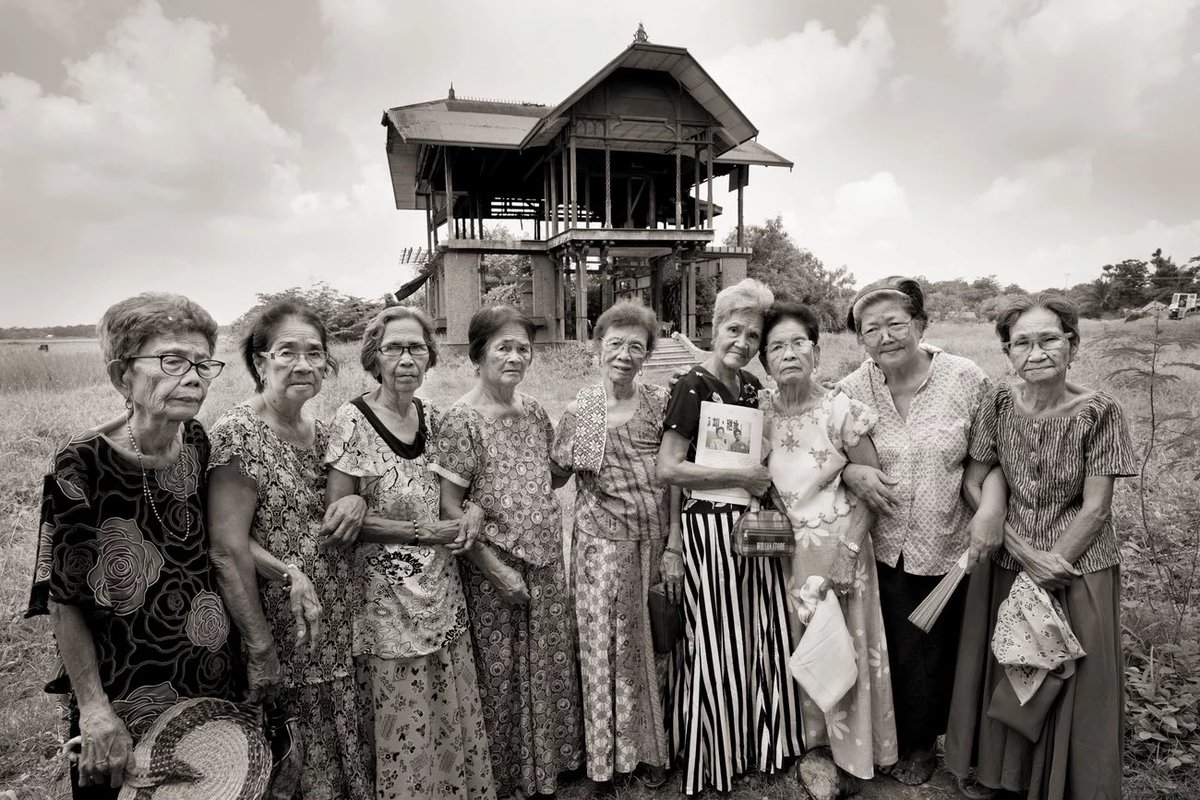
(666,620)
(1029,719)
(287,751)
(764,531)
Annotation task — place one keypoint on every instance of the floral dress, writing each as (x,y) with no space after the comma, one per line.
(319,687)
(806,455)
(525,655)
(416,666)
(147,590)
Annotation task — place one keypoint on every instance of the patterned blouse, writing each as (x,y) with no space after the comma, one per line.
(683,413)
(1045,461)
(505,466)
(148,593)
(928,453)
(287,524)
(409,599)
(624,500)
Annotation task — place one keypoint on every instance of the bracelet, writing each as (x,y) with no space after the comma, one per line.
(287,575)
(851,546)
(674,550)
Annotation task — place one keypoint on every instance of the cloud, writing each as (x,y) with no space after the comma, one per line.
(1077,262)
(866,205)
(1038,184)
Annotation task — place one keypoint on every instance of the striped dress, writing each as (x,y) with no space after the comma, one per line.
(733,707)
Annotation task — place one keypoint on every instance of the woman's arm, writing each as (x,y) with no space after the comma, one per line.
(373,529)
(105,742)
(866,479)
(671,568)
(1091,519)
(675,469)
(507,582)
(985,492)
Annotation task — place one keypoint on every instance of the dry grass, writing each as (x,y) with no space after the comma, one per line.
(46,396)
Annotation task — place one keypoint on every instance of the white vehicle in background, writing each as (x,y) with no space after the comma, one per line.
(1182,304)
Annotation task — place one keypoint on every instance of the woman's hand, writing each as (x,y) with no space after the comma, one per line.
(444,532)
(509,584)
(671,570)
(106,747)
(263,672)
(841,574)
(470,525)
(343,520)
(307,610)
(986,533)
(755,480)
(873,487)
(1049,570)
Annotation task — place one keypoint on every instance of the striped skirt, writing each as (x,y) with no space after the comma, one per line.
(733,706)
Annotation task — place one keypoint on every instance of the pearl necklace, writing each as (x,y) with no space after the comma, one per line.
(187,511)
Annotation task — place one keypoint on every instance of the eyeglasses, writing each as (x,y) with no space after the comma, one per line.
(176,366)
(289,358)
(635,349)
(1048,344)
(397,350)
(897,330)
(799,346)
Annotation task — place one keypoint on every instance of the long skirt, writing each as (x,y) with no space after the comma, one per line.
(734,707)
(525,660)
(427,723)
(1079,752)
(622,707)
(922,663)
(861,728)
(337,752)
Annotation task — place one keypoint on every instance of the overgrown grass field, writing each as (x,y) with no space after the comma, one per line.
(44,397)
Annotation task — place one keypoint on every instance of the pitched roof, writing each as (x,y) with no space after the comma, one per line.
(753,153)
(465,122)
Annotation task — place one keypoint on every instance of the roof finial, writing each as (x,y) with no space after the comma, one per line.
(451,95)
(640,37)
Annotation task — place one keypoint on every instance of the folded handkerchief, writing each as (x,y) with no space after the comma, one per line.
(1032,637)
(824,663)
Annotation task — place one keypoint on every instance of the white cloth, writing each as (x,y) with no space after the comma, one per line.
(1032,637)
(823,663)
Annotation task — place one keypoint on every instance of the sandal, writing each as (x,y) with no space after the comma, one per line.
(914,773)
(974,790)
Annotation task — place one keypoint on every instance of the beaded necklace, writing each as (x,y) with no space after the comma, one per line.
(187,511)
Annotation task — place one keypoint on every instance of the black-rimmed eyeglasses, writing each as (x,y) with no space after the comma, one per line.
(177,366)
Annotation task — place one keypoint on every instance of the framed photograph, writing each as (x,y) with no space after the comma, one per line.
(730,437)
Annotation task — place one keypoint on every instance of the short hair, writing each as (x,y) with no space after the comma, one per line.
(747,295)
(628,313)
(1056,304)
(488,321)
(127,324)
(895,287)
(373,336)
(267,320)
(782,311)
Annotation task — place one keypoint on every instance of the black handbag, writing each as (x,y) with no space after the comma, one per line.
(764,530)
(666,620)
(1029,719)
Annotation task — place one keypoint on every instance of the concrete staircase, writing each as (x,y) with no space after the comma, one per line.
(669,354)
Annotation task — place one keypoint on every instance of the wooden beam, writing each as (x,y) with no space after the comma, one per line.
(429,223)
(678,190)
(628,202)
(553,200)
(581,331)
(574,187)
(566,190)
(708,163)
(587,198)
(698,215)
(449,177)
(653,204)
(741,230)
(607,187)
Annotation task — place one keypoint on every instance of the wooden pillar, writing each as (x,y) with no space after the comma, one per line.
(698,216)
(574,187)
(607,187)
(553,210)
(606,279)
(447,174)
(678,188)
(560,299)
(708,163)
(473,212)
(566,189)
(693,329)
(741,230)
(581,329)
(653,205)
(683,286)
(587,198)
(628,202)
(429,223)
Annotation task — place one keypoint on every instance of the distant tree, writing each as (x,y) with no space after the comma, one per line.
(345,316)
(1130,284)
(795,273)
(504,274)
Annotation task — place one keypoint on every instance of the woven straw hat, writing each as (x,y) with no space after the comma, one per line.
(201,749)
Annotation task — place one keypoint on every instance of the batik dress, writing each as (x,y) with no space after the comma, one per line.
(318,687)
(415,662)
(806,455)
(621,522)
(525,655)
(146,589)
(734,707)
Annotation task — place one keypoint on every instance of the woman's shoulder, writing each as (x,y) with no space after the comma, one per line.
(960,366)
(1097,403)
(860,377)
(237,417)
(79,450)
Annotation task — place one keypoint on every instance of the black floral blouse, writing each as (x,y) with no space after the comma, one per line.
(148,594)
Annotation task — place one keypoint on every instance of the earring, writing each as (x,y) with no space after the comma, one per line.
(128,403)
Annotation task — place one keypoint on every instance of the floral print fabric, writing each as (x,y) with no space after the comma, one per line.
(148,593)
(411,601)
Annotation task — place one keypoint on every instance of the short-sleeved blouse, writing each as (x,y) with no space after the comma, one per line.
(624,501)
(504,464)
(158,624)
(287,524)
(410,601)
(683,412)
(927,452)
(1045,461)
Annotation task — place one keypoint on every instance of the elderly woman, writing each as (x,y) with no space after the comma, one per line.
(812,435)
(123,557)
(494,450)
(1060,447)
(266,497)
(926,400)
(609,439)
(415,663)
(734,705)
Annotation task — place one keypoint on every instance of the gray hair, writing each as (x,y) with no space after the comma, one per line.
(628,313)
(745,296)
(373,336)
(127,324)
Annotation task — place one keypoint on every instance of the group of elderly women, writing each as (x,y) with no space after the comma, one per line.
(395,578)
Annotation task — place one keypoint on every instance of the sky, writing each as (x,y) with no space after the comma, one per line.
(221,148)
